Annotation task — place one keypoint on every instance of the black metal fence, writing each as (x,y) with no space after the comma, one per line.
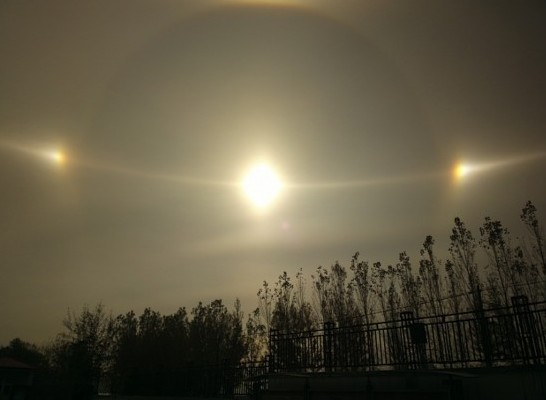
(513,335)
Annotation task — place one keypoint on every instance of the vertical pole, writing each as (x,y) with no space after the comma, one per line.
(485,333)
(273,348)
(327,345)
(407,346)
(526,331)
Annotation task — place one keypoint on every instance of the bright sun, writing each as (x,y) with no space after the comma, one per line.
(56,156)
(461,171)
(262,185)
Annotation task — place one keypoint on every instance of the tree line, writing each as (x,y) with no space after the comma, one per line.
(480,271)
(141,354)
(134,354)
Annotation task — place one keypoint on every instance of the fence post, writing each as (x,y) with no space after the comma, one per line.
(407,348)
(273,349)
(526,328)
(327,345)
(485,333)
(418,336)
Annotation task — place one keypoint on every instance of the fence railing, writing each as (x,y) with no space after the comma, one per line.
(514,335)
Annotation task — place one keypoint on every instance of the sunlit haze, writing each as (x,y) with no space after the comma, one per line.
(161,153)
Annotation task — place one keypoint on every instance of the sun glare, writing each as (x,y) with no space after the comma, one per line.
(461,170)
(56,157)
(262,186)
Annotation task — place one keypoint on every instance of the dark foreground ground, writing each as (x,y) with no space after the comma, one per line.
(478,384)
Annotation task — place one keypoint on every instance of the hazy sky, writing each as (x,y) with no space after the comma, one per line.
(363,109)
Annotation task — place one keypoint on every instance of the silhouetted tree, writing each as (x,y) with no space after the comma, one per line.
(495,241)
(409,284)
(25,352)
(175,339)
(535,256)
(88,344)
(429,272)
(150,327)
(530,219)
(265,306)
(322,295)
(81,355)
(215,334)
(290,309)
(302,314)
(334,297)
(364,284)
(462,271)
(125,358)
(256,337)
(389,298)
(281,319)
